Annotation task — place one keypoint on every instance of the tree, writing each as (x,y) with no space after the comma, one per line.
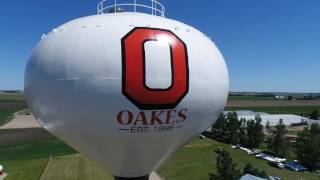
(268,127)
(314,115)
(248,169)
(263,174)
(255,133)
(308,147)
(229,129)
(233,126)
(278,143)
(218,128)
(226,169)
(243,132)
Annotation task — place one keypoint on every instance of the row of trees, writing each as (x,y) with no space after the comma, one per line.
(229,129)
(250,134)
(308,147)
(314,115)
(277,141)
(226,168)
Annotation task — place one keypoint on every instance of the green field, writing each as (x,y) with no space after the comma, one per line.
(6,115)
(37,149)
(11,98)
(10,104)
(280,110)
(51,159)
(194,161)
(24,169)
(27,160)
(250,97)
(73,167)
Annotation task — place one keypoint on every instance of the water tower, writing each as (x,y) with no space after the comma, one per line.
(126,87)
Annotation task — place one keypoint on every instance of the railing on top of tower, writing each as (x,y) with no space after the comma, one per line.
(146,6)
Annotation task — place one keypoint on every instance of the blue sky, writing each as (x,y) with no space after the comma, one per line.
(269,45)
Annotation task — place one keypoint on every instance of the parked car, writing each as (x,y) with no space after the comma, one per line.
(269,153)
(276,164)
(274,178)
(295,166)
(260,156)
(255,151)
(246,150)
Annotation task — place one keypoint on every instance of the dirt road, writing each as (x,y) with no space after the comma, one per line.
(21,121)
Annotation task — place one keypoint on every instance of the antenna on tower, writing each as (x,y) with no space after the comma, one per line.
(145,6)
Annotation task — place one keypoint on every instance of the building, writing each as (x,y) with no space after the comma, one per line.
(245,113)
(251,177)
(273,119)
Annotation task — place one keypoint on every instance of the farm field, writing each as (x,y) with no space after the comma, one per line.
(27,160)
(34,154)
(25,169)
(10,104)
(272,103)
(249,97)
(11,97)
(279,110)
(73,167)
(5,115)
(194,161)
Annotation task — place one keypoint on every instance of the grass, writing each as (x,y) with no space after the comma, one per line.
(194,161)
(197,159)
(38,149)
(294,131)
(73,167)
(6,115)
(11,97)
(280,110)
(10,104)
(27,160)
(24,169)
(30,160)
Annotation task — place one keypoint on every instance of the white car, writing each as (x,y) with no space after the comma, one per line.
(280,165)
(277,165)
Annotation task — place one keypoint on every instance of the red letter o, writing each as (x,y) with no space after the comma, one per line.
(133,70)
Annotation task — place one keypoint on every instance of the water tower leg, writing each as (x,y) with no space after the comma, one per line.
(136,178)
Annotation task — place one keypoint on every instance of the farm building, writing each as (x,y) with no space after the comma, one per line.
(288,119)
(251,177)
(245,113)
